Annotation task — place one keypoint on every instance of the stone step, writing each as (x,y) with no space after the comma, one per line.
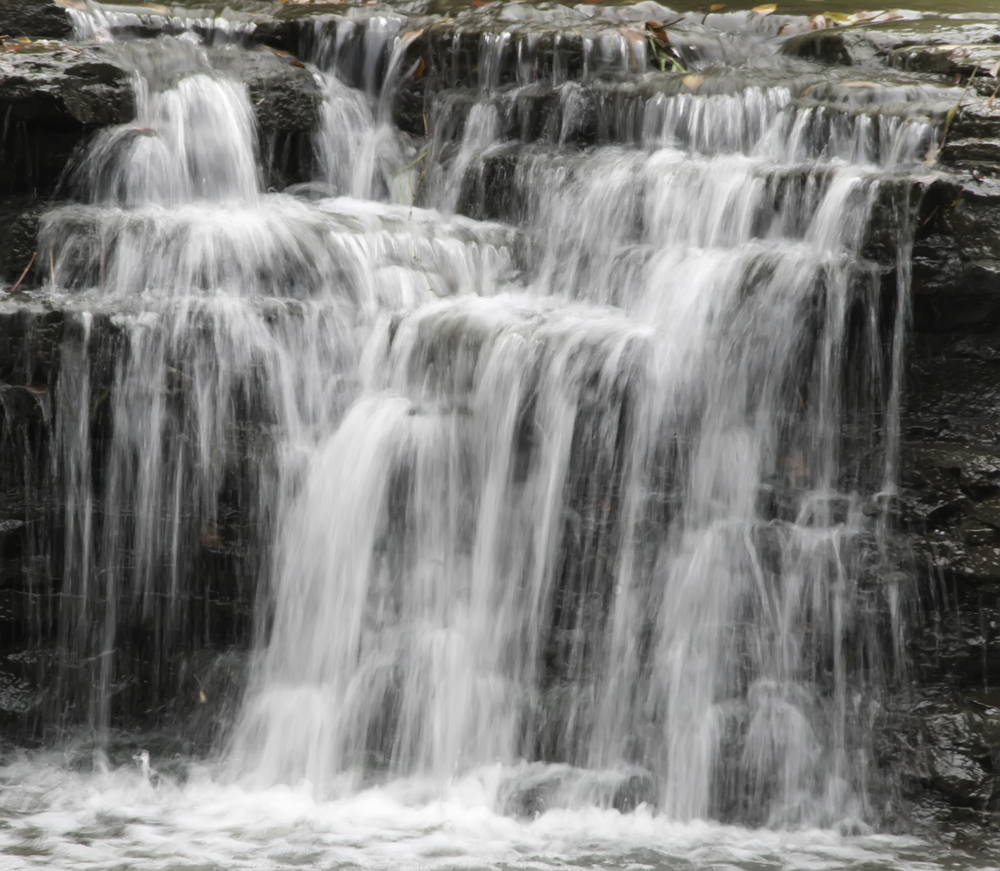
(366,256)
(785,121)
(54,96)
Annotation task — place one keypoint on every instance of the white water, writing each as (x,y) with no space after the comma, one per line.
(60,819)
(547,521)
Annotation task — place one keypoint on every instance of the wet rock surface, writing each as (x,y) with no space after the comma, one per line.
(60,86)
(284,94)
(53,97)
(34,18)
(286,100)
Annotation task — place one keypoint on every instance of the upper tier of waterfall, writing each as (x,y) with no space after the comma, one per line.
(532,445)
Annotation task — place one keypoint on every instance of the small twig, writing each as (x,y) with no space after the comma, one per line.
(23,274)
(52,267)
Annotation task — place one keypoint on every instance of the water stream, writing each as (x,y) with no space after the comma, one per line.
(552,448)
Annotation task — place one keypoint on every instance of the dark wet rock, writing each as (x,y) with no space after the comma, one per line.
(19,220)
(65,86)
(831,46)
(951,500)
(286,100)
(944,59)
(284,94)
(930,45)
(975,472)
(950,743)
(34,18)
(208,687)
(52,98)
(158,667)
(973,142)
(956,255)
(22,697)
(537,788)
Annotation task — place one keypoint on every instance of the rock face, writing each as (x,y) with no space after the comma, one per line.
(286,100)
(34,18)
(53,98)
(949,498)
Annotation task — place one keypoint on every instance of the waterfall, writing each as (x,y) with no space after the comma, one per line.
(541,438)
(614,518)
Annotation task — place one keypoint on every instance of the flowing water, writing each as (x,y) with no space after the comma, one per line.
(550,442)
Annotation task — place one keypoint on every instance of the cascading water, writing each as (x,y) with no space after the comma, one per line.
(549,428)
(544,532)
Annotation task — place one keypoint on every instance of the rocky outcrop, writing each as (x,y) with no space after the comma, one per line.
(34,18)
(286,101)
(187,677)
(52,97)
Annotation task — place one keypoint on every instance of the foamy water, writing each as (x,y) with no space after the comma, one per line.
(125,818)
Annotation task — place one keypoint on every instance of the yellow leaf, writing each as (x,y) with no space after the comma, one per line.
(716,7)
(839,17)
(692,82)
(202,698)
(766,9)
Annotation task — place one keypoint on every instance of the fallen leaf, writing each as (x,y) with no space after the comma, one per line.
(995,69)
(766,9)
(692,82)
(202,698)
(419,71)
(659,31)
(716,7)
